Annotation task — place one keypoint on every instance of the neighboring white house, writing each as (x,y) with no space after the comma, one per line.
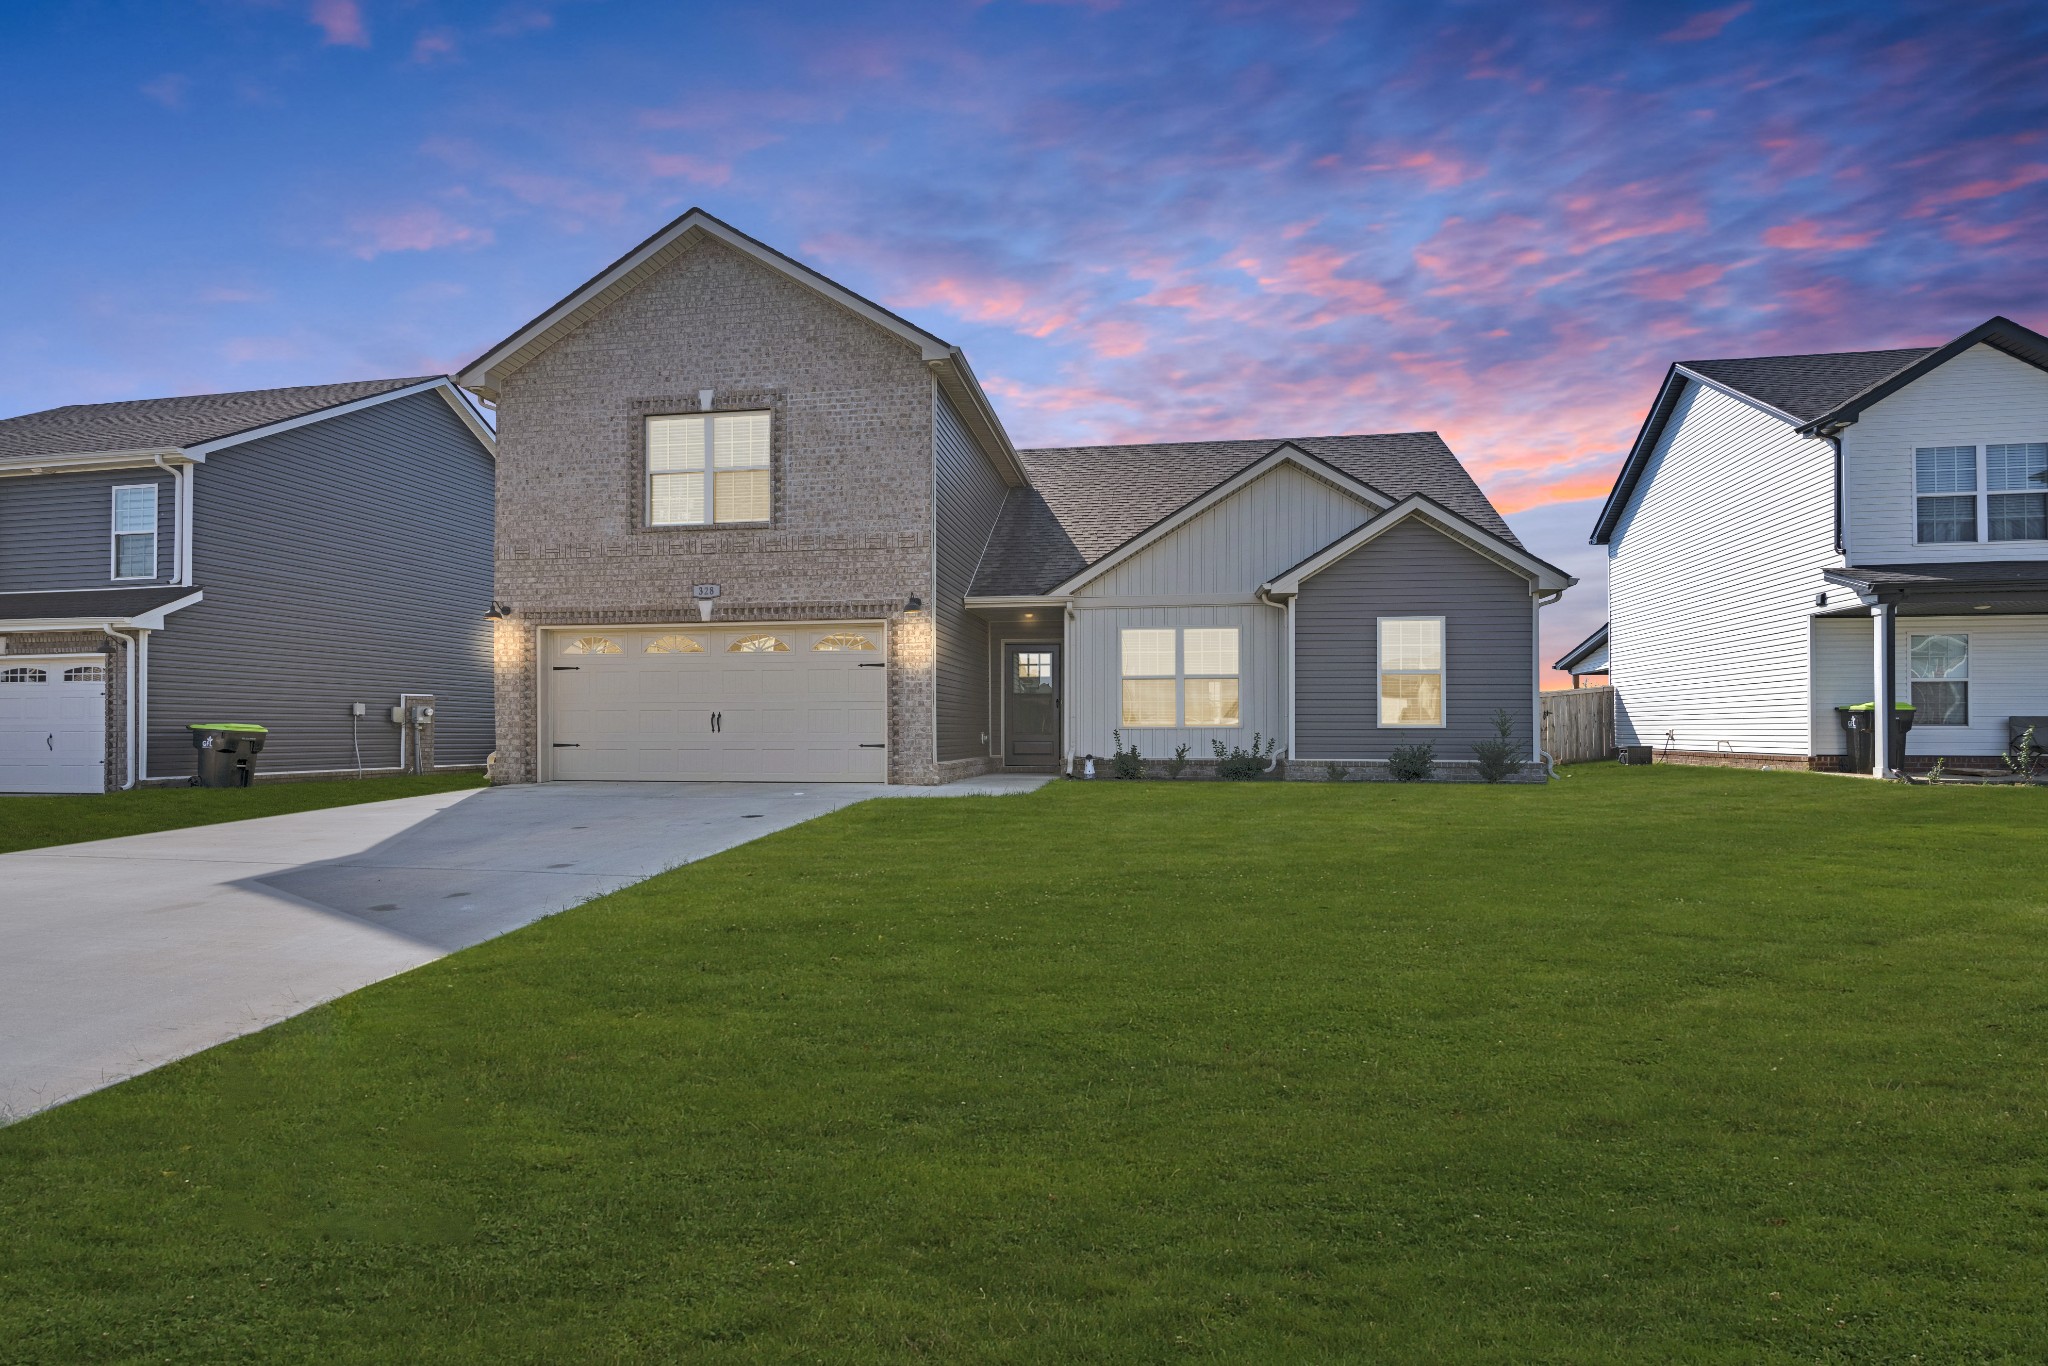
(1791,534)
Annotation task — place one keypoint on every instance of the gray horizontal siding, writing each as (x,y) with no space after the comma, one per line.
(56,530)
(344,561)
(1411,571)
(970,495)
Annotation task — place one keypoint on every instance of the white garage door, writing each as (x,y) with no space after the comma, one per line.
(53,724)
(739,704)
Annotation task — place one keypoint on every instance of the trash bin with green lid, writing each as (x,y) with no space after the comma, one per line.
(1858,721)
(227,752)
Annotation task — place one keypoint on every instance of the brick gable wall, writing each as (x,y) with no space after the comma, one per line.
(851,468)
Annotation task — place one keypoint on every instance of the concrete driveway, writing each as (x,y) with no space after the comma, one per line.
(120,955)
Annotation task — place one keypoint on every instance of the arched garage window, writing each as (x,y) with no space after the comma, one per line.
(844,640)
(23,674)
(756,645)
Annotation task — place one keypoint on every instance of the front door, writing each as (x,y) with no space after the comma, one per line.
(1031,706)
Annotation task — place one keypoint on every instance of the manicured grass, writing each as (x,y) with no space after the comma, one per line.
(1646,1065)
(35,822)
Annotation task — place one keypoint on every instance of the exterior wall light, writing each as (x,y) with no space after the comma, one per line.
(499,611)
(914,607)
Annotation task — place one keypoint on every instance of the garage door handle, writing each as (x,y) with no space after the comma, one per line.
(51,741)
(567,744)
(883,745)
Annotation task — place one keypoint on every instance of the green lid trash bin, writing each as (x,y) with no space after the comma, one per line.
(1861,734)
(227,752)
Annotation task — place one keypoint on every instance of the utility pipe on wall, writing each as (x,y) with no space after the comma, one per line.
(128,769)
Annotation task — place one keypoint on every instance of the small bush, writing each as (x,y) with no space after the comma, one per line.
(1178,762)
(1499,758)
(1125,763)
(1240,765)
(1333,773)
(2024,757)
(1412,763)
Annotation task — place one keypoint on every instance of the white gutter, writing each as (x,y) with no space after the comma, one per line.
(128,768)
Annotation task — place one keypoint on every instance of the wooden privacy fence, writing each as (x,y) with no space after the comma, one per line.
(1578,724)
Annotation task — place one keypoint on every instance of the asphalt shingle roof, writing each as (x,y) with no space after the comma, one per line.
(1088,500)
(116,603)
(1807,386)
(150,423)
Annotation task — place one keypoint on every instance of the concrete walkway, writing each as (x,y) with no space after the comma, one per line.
(120,955)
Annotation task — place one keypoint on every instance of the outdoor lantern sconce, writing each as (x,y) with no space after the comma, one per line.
(499,611)
(915,607)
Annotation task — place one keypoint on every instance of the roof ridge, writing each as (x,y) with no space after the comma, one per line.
(1818,355)
(1230,441)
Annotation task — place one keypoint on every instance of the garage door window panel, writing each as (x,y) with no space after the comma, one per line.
(674,645)
(757,645)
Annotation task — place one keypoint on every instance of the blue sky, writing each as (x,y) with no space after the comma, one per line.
(1144,221)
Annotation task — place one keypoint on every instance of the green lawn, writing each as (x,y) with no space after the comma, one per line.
(1648,1065)
(35,822)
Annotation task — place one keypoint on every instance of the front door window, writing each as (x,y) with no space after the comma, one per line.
(1031,705)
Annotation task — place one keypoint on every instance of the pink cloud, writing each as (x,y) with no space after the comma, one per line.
(340,22)
(1989,187)
(1803,234)
(1627,212)
(1980,234)
(1314,273)
(685,166)
(1706,24)
(433,45)
(423,229)
(1665,286)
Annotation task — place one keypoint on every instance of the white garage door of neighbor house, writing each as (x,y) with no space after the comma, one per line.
(53,723)
(739,704)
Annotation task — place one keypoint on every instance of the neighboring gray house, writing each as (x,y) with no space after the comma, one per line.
(272,556)
(754,526)
(1791,534)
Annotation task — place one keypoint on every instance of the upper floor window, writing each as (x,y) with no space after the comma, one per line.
(1411,671)
(1981,493)
(135,531)
(1186,677)
(706,469)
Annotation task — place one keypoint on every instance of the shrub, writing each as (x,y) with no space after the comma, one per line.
(2024,757)
(1178,762)
(1334,773)
(1500,757)
(1238,764)
(1412,763)
(1125,763)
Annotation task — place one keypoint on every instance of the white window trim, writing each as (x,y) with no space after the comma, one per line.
(1442,672)
(708,473)
(1963,636)
(114,533)
(1982,494)
(1179,678)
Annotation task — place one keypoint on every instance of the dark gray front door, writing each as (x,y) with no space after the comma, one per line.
(1031,705)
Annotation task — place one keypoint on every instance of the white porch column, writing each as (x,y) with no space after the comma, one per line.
(1884,639)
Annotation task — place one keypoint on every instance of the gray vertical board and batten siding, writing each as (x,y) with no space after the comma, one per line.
(344,561)
(57,530)
(1411,571)
(970,495)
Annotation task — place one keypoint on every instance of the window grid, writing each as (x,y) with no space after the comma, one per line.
(134,531)
(1186,677)
(733,485)
(1411,669)
(1994,492)
(1940,668)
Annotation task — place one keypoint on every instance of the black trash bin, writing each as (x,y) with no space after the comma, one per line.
(227,753)
(1861,735)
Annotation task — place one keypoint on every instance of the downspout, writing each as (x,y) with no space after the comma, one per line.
(1066,693)
(177,518)
(191,485)
(141,705)
(1286,610)
(1540,600)
(1841,542)
(128,770)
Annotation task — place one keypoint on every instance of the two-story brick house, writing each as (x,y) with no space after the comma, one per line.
(275,556)
(1794,534)
(754,526)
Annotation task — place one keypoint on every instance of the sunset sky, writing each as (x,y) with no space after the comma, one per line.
(1144,221)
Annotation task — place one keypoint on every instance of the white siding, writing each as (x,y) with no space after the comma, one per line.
(1981,396)
(1711,578)
(1271,524)
(1094,697)
(2008,677)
